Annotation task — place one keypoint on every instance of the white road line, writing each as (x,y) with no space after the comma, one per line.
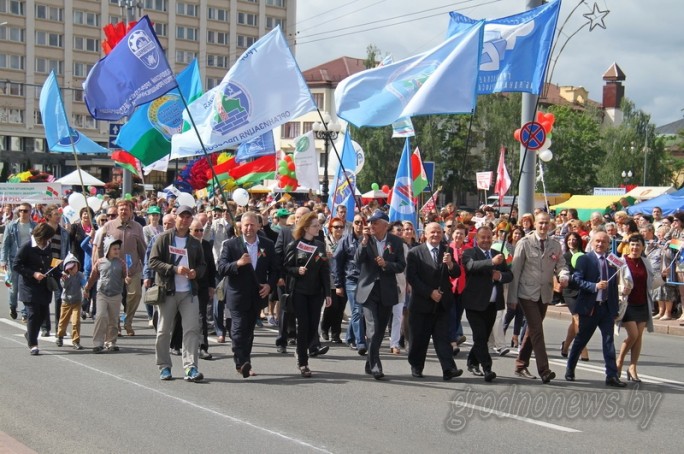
(516,417)
(601,370)
(183,401)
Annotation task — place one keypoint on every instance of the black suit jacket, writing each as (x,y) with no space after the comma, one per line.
(370,271)
(586,276)
(479,283)
(424,276)
(242,284)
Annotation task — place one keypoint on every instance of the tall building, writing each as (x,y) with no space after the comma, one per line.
(37,36)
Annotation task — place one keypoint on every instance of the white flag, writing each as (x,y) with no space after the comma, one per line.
(306,164)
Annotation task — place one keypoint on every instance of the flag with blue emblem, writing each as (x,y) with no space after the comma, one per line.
(515,49)
(345,180)
(262,90)
(147,133)
(135,72)
(57,131)
(439,81)
(402,207)
(260,146)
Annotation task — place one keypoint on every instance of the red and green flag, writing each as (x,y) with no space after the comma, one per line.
(255,171)
(418,174)
(126,161)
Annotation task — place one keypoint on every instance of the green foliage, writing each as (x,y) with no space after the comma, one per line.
(382,155)
(497,116)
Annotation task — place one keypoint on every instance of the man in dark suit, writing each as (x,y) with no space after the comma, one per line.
(380,256)
(597,306)
(486,272)
(428,269)
(250,265)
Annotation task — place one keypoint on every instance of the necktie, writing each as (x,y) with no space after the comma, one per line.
(604,277)
(541,244)
(488,254)
(435,256)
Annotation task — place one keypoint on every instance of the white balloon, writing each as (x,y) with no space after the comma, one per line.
(546,155)
(546,145)
(94,203)
(184,198)
(241,197)
(77,201)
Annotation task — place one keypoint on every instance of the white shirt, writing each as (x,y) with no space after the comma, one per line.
(182,282)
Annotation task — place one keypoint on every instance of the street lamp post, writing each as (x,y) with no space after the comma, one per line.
(646,150)
(627,176)
(328,131)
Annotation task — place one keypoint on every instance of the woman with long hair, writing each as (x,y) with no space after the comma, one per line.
(572,244)
(331,322)
(409,234)
(635,283)
(308,270)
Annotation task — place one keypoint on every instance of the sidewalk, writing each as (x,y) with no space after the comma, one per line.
(668,327)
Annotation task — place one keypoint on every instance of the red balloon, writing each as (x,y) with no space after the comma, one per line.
(389,196)
(547,125)
(288,158)
(291,165)
(550,118)
(295,185)
(540,116)
(385,189)
(516,134)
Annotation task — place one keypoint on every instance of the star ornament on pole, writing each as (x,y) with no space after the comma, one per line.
(596,17)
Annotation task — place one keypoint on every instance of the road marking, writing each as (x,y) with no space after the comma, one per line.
(178,399)
(503,414)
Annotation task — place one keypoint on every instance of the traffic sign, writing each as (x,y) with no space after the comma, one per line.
(532,135)
(114,129)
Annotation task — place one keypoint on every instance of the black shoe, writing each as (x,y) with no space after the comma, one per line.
(13,313)
(292,342)
(319,351)
(44,333)
(336,340)
(564,354)
(59,342)
(456,351)
(362,351)
(378,375)
(615,382)
(114,348)
(281,349)
(99,350)
(205,355)
(569,375)
(417,373)
(451,373)
(245,369)
(547,377)
(367,368)
(489,376)
(475,370)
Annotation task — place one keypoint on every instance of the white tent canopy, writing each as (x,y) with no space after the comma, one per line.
(73,179)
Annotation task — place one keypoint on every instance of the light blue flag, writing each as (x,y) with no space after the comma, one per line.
(402,207)
(263,145)
(57,126)
(135,72)
(440,81)
(515,49)
(345,182)
(264,89)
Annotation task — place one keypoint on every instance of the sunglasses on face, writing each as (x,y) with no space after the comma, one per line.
(23,211)
(337,227)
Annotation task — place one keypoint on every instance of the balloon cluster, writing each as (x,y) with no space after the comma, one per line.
(546,120)
(287,177)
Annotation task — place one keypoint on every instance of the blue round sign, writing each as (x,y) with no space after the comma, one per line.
(532,135)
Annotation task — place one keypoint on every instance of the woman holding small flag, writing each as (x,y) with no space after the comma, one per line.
(308,271)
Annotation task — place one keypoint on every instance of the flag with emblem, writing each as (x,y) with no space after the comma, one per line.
(402,207)
(344,183)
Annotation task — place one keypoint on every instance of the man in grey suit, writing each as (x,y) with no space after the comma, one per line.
(486,272)
(380,256)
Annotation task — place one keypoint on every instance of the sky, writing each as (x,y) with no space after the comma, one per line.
(645,39)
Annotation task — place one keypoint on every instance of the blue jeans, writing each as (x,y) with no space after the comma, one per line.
(356,331)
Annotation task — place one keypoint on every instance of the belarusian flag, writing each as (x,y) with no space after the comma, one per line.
(126,161)
(255,171)
(418,174)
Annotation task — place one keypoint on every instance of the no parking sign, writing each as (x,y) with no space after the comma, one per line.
(532,135)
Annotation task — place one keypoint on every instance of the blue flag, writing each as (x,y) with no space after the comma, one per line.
(147,133)
(440,81)
(135,72)
(57,131)
(515,49)
(401,206)
(261,146)
(345,182)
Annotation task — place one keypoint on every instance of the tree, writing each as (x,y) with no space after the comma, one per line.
(382,154)
(372,54)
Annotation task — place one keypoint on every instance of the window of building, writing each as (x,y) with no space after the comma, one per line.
(217,61)
(49,39)
(217,14)
(86,18)
(78,95)
(84,121)
(158,5)
(12,116)
(49,13)
(82,69)
(318,99)
(114,19)
(86,44)
(214,37)
(290,130)
(16,144)
(245,41)
(212,82)
(12,88)
(307,126)
(45,65)
(278,3)
(15,34)
(184,56)
(187,9)
(12,62)
(273,22)
(160,29)
(15,7)
(247,19)
(187,33)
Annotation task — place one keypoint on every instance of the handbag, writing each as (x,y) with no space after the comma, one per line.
(286,298)
(52,283)
(155,295)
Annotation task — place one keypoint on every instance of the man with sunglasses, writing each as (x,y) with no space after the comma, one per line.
(17,233)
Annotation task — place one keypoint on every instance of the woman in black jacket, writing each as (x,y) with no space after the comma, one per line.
(308,271)
(33,265)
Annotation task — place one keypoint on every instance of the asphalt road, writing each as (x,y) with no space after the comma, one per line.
(65,401)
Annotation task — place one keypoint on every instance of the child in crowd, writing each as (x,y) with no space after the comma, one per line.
(72,282)
(110,274)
